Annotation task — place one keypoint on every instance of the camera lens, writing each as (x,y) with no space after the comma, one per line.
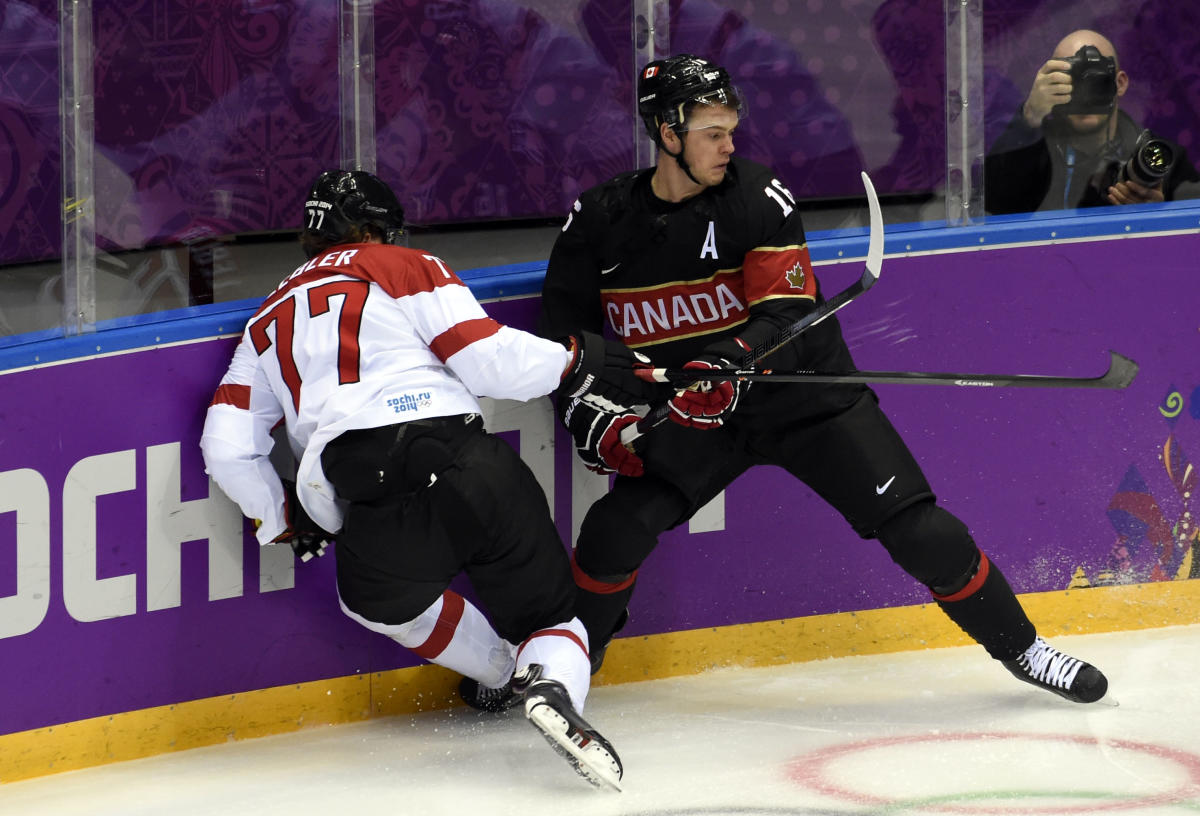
(1150,162)
(1155,158)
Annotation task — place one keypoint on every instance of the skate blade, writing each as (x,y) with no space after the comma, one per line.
(592,762)
(1108,700)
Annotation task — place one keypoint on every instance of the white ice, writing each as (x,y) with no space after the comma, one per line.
(925,732)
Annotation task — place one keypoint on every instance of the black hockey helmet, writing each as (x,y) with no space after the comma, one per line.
(341,200)
(668,87)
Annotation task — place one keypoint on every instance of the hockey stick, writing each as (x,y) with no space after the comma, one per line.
(1120,373)
(874,265)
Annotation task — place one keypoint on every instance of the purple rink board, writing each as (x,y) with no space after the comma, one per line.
(1050,481)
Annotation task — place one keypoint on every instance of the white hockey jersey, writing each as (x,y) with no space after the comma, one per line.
(361,336)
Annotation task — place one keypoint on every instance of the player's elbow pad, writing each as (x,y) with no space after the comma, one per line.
(221,456)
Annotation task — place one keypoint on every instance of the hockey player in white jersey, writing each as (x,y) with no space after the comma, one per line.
(372,355)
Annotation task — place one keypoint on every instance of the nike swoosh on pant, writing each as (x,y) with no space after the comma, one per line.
(886,485)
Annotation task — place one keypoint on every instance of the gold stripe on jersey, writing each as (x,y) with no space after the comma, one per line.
(686,335)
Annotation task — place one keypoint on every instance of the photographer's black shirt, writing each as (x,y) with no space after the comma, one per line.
(1036,169)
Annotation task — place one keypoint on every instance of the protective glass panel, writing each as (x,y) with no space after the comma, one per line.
(30,166)
(1043,157)
(835,87)
(210,122)
(489,109)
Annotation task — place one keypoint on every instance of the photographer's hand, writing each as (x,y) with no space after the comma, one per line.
(1051,86)
(1130,192)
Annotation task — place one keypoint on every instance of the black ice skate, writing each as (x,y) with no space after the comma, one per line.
(548,707)
(491,700)
(1046,667)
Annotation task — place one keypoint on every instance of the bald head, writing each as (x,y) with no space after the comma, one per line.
(1078,39)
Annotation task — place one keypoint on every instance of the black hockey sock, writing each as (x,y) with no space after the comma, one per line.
(987,610)
(601,614)
(600,605)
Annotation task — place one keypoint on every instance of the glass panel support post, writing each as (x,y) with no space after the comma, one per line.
(77,118)
(356,84)
(651,41)
(964,111)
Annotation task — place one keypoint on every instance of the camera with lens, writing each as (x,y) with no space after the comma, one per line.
(1151,160)
(1093,82)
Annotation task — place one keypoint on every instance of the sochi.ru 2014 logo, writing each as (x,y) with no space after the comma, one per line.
(410,402)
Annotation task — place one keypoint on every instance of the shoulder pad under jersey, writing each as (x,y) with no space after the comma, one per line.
(616,194)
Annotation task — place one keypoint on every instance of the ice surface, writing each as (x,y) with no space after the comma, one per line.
(928,732)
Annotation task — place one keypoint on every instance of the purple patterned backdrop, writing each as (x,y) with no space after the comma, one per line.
(30,156)
(211,118)
(492,109)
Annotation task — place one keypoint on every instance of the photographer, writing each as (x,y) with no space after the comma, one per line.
(1070,145)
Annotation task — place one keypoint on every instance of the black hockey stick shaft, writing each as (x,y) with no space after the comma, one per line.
(1120,373)
(874,264)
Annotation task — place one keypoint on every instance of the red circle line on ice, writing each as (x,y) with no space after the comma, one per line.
(811,769)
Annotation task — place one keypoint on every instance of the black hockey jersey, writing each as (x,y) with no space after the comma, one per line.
(672,279)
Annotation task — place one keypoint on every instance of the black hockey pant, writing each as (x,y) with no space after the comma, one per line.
(431,499)
(844,459)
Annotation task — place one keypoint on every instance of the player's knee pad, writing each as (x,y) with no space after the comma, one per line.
(930,544)
(611,548)
(621,530)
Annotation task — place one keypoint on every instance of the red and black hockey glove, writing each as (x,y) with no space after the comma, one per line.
(615,456)
(605,373)
(706,404)
(597,436)
(303,534)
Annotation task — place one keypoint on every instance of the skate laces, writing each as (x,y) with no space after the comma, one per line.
(1044,663)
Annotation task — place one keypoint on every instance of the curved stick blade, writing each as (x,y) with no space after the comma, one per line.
(875,243)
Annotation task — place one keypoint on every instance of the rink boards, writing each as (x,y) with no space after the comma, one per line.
(138,615)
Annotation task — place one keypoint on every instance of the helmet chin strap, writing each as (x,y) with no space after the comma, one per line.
(678,157)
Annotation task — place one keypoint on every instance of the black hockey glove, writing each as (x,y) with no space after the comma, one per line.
(303,534)
(597,436)
(605,373)
(707,404)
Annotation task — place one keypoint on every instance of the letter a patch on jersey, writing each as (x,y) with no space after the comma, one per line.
(709,250)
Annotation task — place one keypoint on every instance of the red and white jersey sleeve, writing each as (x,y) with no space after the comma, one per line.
(362,336)
(237,442)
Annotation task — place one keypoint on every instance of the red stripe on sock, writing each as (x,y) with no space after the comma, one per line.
(443,631)
(585,581)
(567,633)
(972,586)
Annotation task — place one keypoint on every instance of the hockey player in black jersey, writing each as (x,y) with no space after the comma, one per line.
(693,263)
